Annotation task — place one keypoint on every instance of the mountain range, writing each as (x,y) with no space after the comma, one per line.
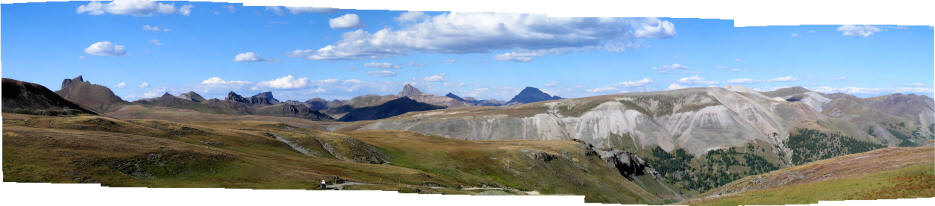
(662,146)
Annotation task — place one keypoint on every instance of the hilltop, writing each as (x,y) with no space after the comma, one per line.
(30,98)
(881,174)
(93,96)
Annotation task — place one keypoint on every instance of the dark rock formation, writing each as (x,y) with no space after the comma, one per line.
(409,90)
(234,97)
(388,109)
(263,98)
(542,156)
(93,96)
(453,96)
(30,98)
(628,164)
(530,95)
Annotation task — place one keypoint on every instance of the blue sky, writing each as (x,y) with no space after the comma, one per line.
(302,53)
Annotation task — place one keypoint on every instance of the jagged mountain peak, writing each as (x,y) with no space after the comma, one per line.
(409,90)
(93,96)
(234,97)
(263,98)
(532,94)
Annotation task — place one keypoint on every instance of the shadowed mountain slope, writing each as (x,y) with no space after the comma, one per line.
(388,109)
(30,98)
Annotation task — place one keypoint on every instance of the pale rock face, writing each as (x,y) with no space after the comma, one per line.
(815,100)
(697,119)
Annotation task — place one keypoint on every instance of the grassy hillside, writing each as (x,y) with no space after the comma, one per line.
(269,154)
(809,145)
(880,174)
(715,168)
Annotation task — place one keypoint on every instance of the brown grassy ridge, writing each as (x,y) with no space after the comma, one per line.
(880,174)
(241,154)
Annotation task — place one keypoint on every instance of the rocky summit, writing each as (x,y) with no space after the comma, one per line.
(530,95)
(93,96)
(409,90)
(192,96)
(263,98)
(234,97)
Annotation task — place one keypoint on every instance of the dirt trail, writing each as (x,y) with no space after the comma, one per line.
(295,146)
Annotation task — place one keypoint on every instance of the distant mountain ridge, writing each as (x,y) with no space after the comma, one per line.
(31,98)
(260,104)
(694,119)
(388,109)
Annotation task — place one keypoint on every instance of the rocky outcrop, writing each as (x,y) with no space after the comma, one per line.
(234,97)
(351,149)
(93,96)
(263,98)
(628,164)
(409,90)
(30,98)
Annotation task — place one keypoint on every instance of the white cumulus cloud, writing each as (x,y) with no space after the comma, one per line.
(382,73)
(248,57)
(286,82)
(670,68)
(121,85)
(783,79)
(155,42)
(601,89)
(299,10)
(346,21)
(410,16)
(866,90)
(527,35)
(674,86)
(754,81)
(743,81)
(435,78)
(637,83)
(155,28)
(143,85)
(654,28)
(138,8)
(527,55)
(695,80)
(105,48)
(217,82)
(385,65)
(858,30)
